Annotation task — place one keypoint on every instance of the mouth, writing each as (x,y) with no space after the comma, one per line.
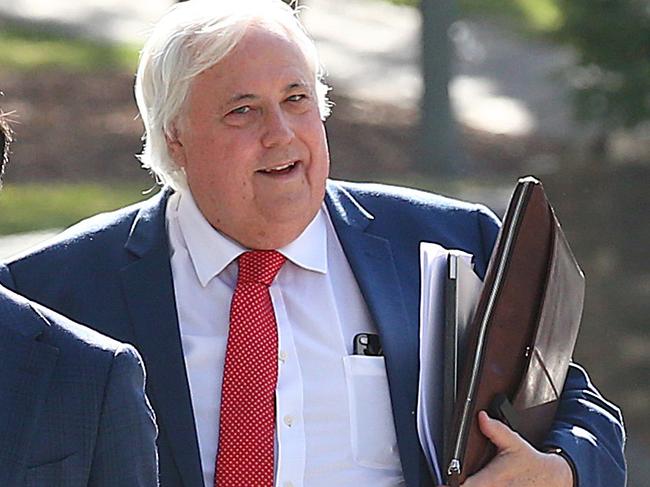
(280,170)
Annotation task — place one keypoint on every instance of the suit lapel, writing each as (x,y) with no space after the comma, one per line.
(371,259)
(27,365)
(149,292)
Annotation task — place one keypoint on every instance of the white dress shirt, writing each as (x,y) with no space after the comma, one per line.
(334,424)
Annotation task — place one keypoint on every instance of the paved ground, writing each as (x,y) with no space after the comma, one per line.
(14,244)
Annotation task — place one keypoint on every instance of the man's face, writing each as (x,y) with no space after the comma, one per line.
(252,143)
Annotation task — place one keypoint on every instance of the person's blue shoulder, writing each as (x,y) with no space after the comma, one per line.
(103,233)
(419,215)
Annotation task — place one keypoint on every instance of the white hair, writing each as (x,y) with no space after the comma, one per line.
(190,38)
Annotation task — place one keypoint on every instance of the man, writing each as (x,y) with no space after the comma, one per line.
(232,101)
(72,405)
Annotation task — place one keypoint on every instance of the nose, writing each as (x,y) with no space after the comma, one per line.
(277,129)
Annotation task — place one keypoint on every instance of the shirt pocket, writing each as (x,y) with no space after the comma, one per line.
(372,429)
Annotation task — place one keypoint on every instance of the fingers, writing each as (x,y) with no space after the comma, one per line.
(517,463)
(498,433)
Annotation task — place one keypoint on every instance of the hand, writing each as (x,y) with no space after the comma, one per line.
(517,463)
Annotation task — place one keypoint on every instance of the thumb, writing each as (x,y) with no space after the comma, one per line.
(498,433)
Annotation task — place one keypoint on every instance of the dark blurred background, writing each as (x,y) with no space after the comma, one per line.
(456,96)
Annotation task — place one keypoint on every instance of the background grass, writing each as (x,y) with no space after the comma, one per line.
(533,16)
(29,207)
(35,207)
(27,49)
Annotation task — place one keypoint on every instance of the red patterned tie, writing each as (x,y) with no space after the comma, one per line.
(246,423)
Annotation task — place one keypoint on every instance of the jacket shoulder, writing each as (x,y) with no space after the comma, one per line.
(78,340)
(406,217)
(101,234)
(416,209)
(76,343)
(383,196)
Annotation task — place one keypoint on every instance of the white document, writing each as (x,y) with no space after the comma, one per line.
(433,275)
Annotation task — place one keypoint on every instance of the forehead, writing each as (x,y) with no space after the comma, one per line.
(266,43)
(264,56)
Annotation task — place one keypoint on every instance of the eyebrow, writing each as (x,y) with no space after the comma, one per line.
(241,96)
(251,96)
(296,84)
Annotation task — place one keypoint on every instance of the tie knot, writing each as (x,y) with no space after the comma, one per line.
(259,266)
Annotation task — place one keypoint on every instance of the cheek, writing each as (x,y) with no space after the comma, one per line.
(223,170)
(310,130)
(320,150)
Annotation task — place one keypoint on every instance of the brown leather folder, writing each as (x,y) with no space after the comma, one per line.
(522,335)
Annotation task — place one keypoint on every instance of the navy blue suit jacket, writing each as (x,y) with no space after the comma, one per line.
(113,273)
(72,407)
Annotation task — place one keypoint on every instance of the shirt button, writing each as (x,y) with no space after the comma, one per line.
(288,420)
(283,356)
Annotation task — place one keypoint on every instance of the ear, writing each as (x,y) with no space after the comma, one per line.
(175,146)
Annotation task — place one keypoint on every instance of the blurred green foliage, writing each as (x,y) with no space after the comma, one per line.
(30,207)
(31,48)
(612,39)
(526,15)
(611,83)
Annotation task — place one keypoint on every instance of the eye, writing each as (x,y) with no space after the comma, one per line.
(241,110)
(297,97)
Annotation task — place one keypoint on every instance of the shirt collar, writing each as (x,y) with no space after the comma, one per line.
(211,251)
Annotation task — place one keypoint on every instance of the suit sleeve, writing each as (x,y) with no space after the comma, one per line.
(125,450)
(590,432)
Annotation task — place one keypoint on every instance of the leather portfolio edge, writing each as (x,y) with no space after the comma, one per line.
(466,411)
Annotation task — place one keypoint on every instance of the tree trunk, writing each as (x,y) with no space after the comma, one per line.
(440,151)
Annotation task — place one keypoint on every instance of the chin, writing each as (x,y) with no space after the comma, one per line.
(280,232)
